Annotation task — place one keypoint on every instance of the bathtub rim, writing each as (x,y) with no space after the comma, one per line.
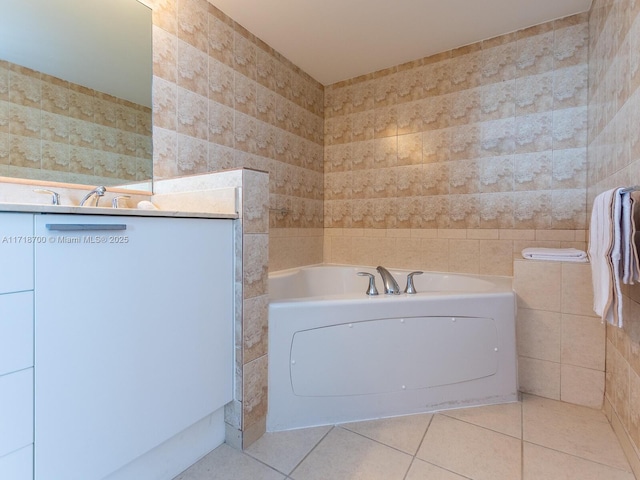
(500,284)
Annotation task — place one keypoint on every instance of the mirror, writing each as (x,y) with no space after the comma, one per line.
(75,91)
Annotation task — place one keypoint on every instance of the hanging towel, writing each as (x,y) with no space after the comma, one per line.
(629,252)
(600,243)
(555,254)
(612,252)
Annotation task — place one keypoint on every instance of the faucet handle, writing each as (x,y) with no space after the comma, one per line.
(55,197)
(371,290)
(115,203)
(411,289)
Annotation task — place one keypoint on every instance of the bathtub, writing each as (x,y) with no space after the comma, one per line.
(337,355)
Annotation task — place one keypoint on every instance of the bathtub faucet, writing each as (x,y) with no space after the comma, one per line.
(390,285)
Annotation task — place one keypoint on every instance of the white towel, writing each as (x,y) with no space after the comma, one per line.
(629,254)
(555,254)
(612,251)
(600,243)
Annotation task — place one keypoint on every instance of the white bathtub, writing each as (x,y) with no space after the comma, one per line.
(337,355)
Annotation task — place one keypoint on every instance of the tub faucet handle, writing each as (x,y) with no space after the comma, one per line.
(371,290)
(55,197)
(411,289)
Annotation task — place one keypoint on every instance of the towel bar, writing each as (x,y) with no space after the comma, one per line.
(630,189)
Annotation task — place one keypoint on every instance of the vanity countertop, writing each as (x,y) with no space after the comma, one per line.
(136,212)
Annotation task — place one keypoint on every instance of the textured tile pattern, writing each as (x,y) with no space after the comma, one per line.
(490,136)
(501,122)
(614,160)
(535,439)
(51,129)
(224,99)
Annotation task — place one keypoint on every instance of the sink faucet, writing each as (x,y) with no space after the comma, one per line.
(390,284)
(98,192)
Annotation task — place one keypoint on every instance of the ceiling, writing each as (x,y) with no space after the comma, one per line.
(334,40)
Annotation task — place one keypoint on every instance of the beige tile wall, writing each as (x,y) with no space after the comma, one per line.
(223,99)
(560,343)
(51,129)
(488,136)
(614,160)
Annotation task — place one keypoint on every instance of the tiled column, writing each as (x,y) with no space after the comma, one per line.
(246,415)
(561,343)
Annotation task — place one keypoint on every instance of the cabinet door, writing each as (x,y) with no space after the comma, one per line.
(16,411)
(17,465)
(133,338)
(16,252)
(16,332)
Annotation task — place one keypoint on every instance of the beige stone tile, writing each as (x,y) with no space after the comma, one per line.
(254,389)
(464,256)
(570,128)
(539,377)
(533,209)
(539,334)
(464,211)
(519,235)
(471,451)
(572,429)
(568,208)
(577,290)
(496,257)
(227,463)
(425,471)
(255,259)
(582,386)
(255,202)
(192,114)
(403,433)
(504,418)
(583,342)
(534,93)
(497,210)
(344,454)
(538,284)
(541,463)
(484,234)
(255,327)
(285,450)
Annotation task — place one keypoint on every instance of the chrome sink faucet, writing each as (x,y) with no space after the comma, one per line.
(390,285)
(98,192)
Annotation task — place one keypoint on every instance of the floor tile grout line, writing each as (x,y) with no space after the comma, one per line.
(578,456)
(373,440)
(310,451)
(415,455)
(271,467)
(485,428)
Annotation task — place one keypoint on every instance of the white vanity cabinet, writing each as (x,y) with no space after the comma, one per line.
(16,346)
(131,322)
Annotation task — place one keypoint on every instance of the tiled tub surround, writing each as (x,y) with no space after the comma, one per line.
(560,342)
(614,159)
(488,136)
(51,129)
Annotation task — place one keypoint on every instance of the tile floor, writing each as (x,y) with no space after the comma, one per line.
(536,439)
